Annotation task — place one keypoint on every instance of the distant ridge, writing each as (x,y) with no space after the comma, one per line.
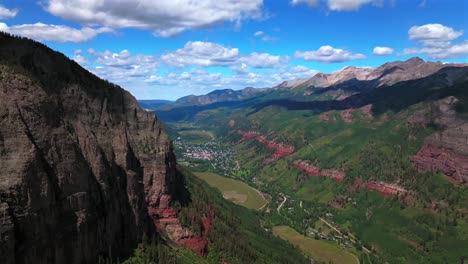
(387,74)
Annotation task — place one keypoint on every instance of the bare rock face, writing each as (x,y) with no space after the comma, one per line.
(436,159)
(80,161)
(446,150)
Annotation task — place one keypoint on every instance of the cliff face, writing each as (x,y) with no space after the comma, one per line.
(446,150)
(80,161)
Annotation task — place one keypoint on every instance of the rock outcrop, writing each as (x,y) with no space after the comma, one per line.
(383,188)
(315,171)
(446,150)
(281,149)
(436,159)
(80,161)
(166,222)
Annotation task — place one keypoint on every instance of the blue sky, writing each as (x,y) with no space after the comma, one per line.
(166,49)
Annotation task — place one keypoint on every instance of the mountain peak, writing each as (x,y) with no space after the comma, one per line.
(415,59)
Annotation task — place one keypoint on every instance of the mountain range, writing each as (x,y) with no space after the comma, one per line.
(346,79)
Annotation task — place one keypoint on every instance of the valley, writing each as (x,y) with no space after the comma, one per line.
(360,178)
(321,240)
(233,132)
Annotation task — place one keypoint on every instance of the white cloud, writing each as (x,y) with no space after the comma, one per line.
(450,52)
(311,3)
(433,35)
(259,33)
(54,33)
(201,54)
(436,42)
(240,69)
(208,54)
(349,5)
(340,5)
(80,59)
(164,17)
(264,60)
(382,51)
(298,72)
(6,13)
(123,59)
(122,66)
(329,54)
(265,37)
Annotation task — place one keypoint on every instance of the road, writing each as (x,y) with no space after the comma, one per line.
(282,203)
(339,232)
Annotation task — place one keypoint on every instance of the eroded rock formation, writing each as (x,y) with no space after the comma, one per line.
(436,159)
(315,171)
(281,149)
(446,150)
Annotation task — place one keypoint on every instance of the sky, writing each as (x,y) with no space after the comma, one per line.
(167,49)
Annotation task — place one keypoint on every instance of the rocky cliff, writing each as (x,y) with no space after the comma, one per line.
(80,161)
(447,149)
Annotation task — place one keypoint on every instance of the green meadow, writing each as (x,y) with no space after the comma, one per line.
(235,191)
(316,249)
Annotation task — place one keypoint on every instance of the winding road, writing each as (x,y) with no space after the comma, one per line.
(282,203)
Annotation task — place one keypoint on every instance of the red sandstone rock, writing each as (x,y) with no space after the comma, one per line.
(347,115)
(453,165)
(334,174)
(195,243)
(247,135)
(312,170)
(281,150)
(385,189)
(325,117)
(306,167)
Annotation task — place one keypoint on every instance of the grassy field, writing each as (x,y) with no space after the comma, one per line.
(236,191)
(316,249)
(196,136)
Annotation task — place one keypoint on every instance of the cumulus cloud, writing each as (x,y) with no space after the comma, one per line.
(382,51)
(208,54)
(164,17)
(298,72)
(201,54)
(264,60)
(123,59)
(6,13)
(349,5)
(433,35)
(240,69)
(122,66)
(329,54)
(450,52)
(54,33)
(311,3)
(435,41)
